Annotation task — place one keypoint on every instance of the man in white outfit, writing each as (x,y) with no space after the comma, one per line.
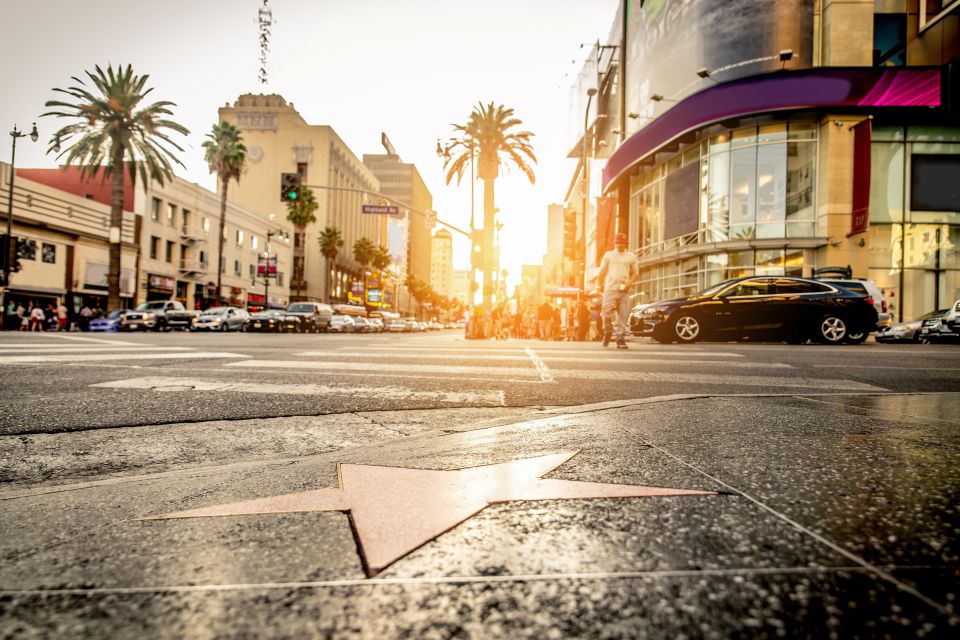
(619,269)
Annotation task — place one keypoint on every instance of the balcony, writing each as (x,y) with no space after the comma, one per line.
(192,266)
(296,284)
(193,233)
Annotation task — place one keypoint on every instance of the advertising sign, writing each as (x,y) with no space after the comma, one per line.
(355,295)
(373,297)
(267,267)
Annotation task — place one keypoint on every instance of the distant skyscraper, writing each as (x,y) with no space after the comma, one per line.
(441,263)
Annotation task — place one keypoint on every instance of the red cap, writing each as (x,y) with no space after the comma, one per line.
(620,238)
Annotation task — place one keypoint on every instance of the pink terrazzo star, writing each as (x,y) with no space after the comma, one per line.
(396,510)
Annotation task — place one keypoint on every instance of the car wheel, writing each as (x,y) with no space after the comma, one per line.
(223,327)
(831,329)
(686,328)
(856,338)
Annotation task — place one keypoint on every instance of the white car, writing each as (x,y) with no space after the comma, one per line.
(397,326)
(341,324)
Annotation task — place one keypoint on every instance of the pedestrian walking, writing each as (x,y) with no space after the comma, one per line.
(24,318)
(61,316)
(10,320)
(619,269)
(85,314)
(37,318)
(544,314)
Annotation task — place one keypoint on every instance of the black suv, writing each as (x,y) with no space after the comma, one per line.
(314,316)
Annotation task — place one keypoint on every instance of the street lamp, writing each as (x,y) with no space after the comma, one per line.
(15,134)
(266,269)
(443,151)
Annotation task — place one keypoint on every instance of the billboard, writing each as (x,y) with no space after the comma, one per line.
(729,38)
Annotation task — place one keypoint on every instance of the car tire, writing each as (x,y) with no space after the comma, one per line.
(686,328)
(223,328)
(856,338)
(831,329)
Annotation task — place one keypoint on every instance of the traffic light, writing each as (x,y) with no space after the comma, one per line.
(11,250)
(5,257)
(290,186)
(570,248)
(18,247)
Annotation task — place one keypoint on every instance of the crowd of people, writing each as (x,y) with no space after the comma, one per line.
(550,321)
(51,317)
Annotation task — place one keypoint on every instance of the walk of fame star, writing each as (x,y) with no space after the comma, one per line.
(396,510)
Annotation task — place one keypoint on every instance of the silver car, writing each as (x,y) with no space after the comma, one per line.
(908,331)
(220,319)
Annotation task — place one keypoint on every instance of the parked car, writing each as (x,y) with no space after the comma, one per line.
(907,331)
(158,315)
(110,322)
(314,316)
(397,326)
(220,319)
(341,324)
(272,321)
(410,324)
(763,307)
(945,328)
(376,325)
(843,277)
(362,325)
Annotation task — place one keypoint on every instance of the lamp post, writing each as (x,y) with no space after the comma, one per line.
(443,151)
(266,268)
(15,134)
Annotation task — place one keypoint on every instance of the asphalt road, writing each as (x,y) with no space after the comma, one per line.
(65,382)
(423,486)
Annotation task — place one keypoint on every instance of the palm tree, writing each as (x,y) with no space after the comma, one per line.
(363,250)
(381,258)
(487,133)
(300,213)
(111,127)
(226,156)
(330,243)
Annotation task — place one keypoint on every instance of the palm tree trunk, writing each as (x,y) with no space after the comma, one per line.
(488,223)
(329,297)
(116,227)
(301,230)
(223,222)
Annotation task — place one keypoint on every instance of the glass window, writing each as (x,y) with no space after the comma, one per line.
(236,267)
(743,179)
(172,215)
(206,223)
(48,253)
(717,196)
(720,143)
(744,137)
(769,262)
(802,131)
(155,209)
(889,39)
(753,287)
(772,132)
(239,237)
(800,286)
(168,256)
(801,174)
(154,247)
(886,182)
(254,241)
(771,190)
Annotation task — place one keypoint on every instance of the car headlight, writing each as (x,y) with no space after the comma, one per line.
(149,316)
(654,311)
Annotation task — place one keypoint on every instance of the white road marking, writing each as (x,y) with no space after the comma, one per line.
(87,348)
(697,379)
(172,385)
(53,336)
(544,348)
(73,358)
(545,375)
(514,356)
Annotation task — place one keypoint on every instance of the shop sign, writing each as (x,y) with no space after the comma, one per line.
(373,297)
(355,296)
(161,283)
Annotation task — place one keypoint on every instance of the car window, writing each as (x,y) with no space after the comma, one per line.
(800,286)
(850,285)
(301,307)
(750,288)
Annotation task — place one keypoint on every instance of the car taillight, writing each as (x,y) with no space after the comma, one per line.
(883,306)
(870,300)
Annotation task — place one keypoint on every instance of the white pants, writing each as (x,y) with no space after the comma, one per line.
(615,310)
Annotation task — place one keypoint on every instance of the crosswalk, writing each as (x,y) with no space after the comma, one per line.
(443,370)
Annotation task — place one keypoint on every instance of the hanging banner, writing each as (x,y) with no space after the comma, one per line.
(266,266)
(860,206)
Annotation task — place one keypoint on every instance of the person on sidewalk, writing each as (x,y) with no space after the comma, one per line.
(619,269)
(85,315)
(61,316)
(37,318)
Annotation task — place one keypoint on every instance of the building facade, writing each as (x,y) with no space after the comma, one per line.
(173,246)
(463,289)
(441,263)
(789,136)
(280,141)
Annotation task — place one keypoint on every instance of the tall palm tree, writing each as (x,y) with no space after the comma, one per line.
(330,241)
(112,126)
(226,156)
(300,213)
(363,250)
(487,133)
(381,258)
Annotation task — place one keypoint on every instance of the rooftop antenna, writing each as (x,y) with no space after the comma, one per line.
(265,20)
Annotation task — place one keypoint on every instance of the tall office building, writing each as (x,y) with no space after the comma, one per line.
(441,259)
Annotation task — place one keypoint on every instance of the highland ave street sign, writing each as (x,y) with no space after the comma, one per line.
(385,209)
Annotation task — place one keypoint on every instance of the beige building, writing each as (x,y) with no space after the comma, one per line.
(441,263)
(171,244)
(280,141)
(66,250)
(461,286)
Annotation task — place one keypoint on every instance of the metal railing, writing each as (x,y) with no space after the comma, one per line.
(192,266)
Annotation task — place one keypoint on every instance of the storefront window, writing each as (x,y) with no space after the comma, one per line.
(886,182)
(743,212)
(717,193)
(771,190)
(769,262)
(800,188)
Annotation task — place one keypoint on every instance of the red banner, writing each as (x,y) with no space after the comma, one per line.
(860,208)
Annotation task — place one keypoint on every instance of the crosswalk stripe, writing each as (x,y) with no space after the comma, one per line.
(172,385)
(596,351)
(94,357)
(570,374)
(87,348)
(514,356)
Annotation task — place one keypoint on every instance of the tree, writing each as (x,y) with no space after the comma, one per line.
(363,250)
(110,127)
(226,156)
(487,133)
(300,213)
(381,258)
(330,243)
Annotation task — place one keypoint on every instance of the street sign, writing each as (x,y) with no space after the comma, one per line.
(381,209)
(267,267)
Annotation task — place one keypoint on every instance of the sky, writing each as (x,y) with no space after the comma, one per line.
(410,69)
